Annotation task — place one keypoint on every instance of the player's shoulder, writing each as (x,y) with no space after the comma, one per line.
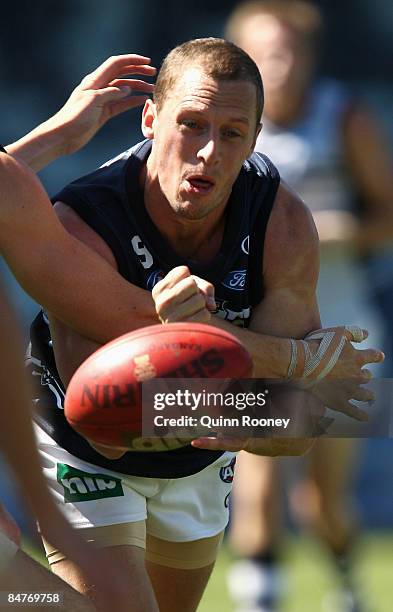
(291,218)
(291,241)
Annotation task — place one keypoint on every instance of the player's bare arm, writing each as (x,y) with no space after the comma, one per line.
(60,272)
(176,298)
(291,269)
(289,307)
(101,95)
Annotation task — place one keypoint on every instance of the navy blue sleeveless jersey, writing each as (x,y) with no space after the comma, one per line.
(111,202)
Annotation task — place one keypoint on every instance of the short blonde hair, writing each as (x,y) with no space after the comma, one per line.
(220,59)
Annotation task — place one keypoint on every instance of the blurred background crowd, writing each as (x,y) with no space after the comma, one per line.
(320,76)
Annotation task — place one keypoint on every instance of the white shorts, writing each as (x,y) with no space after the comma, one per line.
(178,510)
(8,550)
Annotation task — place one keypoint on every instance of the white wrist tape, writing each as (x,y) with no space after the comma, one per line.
(293,360)
(318,365)
(8,550)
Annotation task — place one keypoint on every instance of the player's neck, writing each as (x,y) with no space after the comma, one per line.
(196,239)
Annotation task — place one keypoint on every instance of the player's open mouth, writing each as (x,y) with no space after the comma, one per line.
(199,184)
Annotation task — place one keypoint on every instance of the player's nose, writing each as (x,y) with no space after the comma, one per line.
(209,151)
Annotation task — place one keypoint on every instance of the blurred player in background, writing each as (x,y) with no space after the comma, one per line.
(328,148)
(184,202)
(24,207)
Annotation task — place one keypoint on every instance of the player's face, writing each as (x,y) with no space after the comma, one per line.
(202,134)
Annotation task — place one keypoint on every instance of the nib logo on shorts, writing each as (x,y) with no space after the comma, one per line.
(83,486)
(228,471)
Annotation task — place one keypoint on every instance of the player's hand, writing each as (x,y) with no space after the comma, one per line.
(338,395)
(268,447)
(181,296)
(102,94)
(351,362)
(341,369)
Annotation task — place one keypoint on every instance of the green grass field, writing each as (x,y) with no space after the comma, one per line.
(310,576)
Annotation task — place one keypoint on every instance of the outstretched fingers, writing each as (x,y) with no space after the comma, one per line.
(133,84)
(117,66)
(118,96)
(371,356)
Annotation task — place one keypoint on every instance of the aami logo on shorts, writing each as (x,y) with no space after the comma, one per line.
(228,471)
(82,486)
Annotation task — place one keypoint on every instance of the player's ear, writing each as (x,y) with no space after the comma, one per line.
(257,132)
(149,116)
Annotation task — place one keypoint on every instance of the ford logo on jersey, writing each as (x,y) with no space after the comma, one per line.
(154,278)
(236,279)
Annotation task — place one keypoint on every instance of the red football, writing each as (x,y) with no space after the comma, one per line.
(104,398)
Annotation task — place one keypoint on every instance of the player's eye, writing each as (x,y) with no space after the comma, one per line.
(190,124)
(230,133)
